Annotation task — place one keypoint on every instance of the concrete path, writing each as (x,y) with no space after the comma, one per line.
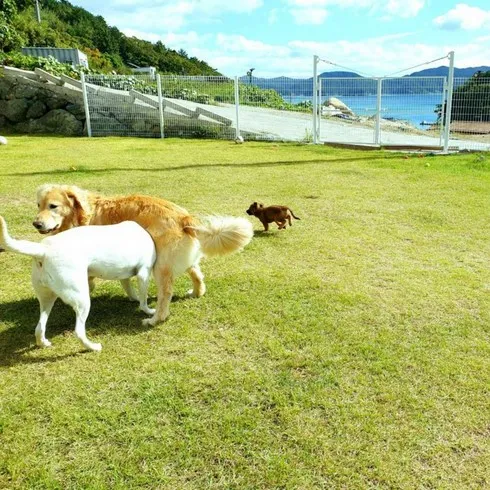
(273,124)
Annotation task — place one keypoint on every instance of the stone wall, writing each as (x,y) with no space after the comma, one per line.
(40,103)
(29,105)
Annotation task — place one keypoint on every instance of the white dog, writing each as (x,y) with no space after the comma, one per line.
(62,263)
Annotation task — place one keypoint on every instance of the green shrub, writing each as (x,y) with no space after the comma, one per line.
(48,64)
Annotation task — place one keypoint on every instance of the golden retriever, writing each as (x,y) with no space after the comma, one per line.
(180,239)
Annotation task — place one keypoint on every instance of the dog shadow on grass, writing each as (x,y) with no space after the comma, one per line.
(108,313)
(204,167)
(271,234)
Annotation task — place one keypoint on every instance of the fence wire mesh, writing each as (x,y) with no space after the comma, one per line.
(114,109)
(382,111)
(347,107)
(470,112)
(276,109)
(406,110)
(199,107)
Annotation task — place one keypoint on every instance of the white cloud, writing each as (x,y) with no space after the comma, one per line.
(383,55)
(188,38)
(147,36)
(404,8)
(194,5)
(173,15)
(464,17)
(124,3)
(374,56)
(174,23)
(240,44)
(314,11)
(307,3)
(167,17)
(314,16)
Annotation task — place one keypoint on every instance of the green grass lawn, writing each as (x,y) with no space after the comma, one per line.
(350,351)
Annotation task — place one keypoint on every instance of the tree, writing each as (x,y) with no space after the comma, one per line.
(9,37)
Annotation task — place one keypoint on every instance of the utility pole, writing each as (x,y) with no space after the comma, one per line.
(38,12)
(249,74)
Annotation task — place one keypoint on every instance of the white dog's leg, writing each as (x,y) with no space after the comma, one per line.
(76,294)
(46,301)
(199,288)
(128,287)
(143,283)
(82,310)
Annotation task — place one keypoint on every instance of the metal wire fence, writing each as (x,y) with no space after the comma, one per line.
(276,109)
(405,110)
(470,112)
(113,108)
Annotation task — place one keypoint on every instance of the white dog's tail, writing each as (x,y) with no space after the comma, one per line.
(33,249)
(220,235)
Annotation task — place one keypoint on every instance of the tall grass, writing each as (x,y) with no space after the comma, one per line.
(349,351)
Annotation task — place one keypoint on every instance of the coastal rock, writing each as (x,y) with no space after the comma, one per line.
(338,104)
(330,110)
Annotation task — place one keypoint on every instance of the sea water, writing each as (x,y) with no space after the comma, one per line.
(417,109)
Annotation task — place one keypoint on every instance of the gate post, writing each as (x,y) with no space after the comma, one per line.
(377,131)
(449,102)
(85,105)
(315,99)
(160,105)
(237,109)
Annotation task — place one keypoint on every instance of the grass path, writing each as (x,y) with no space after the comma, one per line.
(350,351)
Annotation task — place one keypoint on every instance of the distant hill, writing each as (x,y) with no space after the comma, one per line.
(339,74)
(290,87)
(345,83)
(443,71)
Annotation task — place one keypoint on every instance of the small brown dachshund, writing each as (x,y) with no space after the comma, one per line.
(269,214)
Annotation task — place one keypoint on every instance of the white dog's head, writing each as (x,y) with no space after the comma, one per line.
(60,207)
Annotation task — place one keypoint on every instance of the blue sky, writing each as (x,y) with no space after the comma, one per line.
(280,37)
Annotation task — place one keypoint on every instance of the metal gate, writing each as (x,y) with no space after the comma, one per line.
(404,111)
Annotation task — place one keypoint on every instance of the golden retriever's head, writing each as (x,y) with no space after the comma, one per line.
(61,207)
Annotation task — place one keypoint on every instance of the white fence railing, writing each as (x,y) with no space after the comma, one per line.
(381,111)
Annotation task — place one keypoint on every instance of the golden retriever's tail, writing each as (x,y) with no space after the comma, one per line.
(33,249)
(220,235)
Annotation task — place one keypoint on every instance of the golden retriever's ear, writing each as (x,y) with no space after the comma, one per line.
(81,205)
